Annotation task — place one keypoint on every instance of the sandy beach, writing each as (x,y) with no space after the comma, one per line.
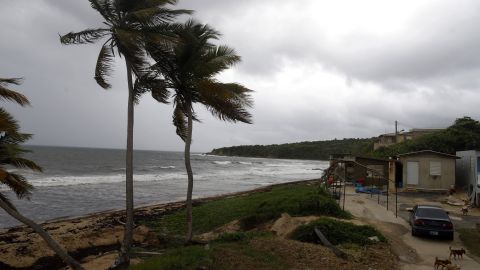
(87,236)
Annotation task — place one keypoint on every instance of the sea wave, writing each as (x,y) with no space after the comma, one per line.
(245,163)
(222,162)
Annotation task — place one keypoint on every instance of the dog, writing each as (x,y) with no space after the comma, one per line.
(457,253)
(465,210)
(442,263)
(453,267)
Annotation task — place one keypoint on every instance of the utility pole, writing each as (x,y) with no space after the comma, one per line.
(396,131)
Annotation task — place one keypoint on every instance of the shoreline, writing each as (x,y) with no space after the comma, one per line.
(92,234)
(144,207)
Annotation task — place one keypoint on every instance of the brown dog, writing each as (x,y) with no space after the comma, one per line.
(457,253)
(465,210)
(442,263)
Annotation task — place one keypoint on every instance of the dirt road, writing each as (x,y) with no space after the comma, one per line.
(414,253)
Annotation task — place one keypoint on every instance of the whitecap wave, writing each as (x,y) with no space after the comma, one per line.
(245,163)
(222,162)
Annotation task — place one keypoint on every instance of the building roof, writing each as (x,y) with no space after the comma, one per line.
(428,152)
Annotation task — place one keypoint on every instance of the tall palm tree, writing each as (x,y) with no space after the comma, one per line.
(189,70)
(11,155)
(128,25)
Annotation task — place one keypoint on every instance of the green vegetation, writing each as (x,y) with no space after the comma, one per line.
(191,257)
(257,249)
(470,238)
(295,199)
(196,257)
(337,232)
(464,134)
(318,150)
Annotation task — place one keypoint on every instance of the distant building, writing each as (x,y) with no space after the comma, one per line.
(389,139)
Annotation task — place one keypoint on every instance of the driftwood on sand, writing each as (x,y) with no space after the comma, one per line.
(329,245)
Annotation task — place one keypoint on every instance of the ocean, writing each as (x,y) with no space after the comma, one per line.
(79,181)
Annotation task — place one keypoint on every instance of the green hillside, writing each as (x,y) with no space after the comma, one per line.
(464,134)
(317,150)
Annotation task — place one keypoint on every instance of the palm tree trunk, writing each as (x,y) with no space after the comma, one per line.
(123,260)
(188,166)
(38,229)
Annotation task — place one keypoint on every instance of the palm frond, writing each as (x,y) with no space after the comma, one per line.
(104,66)
(216,60)
(6,81)
(16,182)
(84,37)
(23,163)
(8,124)
(132,6)
(7,94)
(105,8)
(131,45)
(228,102)
(153,83)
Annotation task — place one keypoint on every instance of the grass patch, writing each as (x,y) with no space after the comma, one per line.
(192,257)
(228,253)
(337,232)
(296,200)
(470,238)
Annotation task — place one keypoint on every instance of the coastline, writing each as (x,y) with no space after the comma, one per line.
(91,234)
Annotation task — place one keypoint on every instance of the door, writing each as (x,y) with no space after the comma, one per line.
(412,173)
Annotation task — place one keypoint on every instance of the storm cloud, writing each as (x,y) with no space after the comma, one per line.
(320,70)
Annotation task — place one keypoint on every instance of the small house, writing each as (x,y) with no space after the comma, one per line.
(427,170)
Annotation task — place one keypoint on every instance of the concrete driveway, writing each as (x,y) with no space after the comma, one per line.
(413,252)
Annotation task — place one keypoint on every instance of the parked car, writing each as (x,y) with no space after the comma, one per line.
(432,221)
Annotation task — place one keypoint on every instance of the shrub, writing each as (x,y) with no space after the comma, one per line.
(337,232)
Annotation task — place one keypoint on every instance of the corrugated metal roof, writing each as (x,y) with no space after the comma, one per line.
(428,152)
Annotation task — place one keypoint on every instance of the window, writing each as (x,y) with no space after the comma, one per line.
(435,168)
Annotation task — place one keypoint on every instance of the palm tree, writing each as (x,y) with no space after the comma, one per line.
(189,69)
(128,25)
(11,155)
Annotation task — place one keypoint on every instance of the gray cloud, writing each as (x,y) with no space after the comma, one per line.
(321,70)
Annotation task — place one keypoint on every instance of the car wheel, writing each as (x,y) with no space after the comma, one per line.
(450,237)
(414,233)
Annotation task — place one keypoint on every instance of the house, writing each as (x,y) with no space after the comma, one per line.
(424,170)
(468,174)
(389,139)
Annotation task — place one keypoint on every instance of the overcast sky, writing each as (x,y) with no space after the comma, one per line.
(320,70)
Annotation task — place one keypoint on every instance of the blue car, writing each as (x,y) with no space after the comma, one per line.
(430,220)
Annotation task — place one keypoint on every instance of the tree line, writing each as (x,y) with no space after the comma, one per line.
(173,61)
(463,134)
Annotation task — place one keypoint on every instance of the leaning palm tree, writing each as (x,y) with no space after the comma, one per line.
(11,155)
(189,70)
(128,25)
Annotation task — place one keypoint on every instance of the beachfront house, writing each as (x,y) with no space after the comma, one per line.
(425,170)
